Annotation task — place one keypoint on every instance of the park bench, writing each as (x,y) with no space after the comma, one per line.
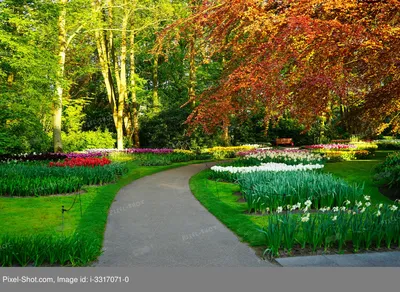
(340,141)
(284,141)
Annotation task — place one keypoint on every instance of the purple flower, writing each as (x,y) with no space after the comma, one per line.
(150,150)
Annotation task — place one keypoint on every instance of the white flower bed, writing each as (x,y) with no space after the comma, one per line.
(292,155)
(271,166)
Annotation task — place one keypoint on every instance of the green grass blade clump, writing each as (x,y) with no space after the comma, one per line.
(42,180)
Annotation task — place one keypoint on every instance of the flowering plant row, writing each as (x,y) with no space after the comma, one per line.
(282,156)
(331,146)
(86,154)
(361,227)
(31,157)
(341,155)
(269,189)
(73,162)
(41,180)
(270,166)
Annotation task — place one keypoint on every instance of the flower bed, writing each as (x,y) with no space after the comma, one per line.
(263,190)
(337,155)
(83,155)
(392,144)
(331,146)
(270,166)
(282,156)
(227,152)
(356,228)
(40,180)
(89,162)
(149,150)
(32,157)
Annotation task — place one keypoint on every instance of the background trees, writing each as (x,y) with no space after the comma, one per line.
(148,72)
(309,59)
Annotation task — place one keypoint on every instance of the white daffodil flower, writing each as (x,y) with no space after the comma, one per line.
(305,218)
(271,166)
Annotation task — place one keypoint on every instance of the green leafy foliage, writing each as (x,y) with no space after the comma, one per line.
(42,180)
(43,249)
(271,190)
(389,171)
(371,228)
(79,141)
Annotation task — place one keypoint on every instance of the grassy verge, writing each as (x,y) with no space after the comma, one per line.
(32,230)
(219,199)
(361,171)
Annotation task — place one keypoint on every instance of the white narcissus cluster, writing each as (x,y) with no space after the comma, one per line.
(271,166)
(292,155)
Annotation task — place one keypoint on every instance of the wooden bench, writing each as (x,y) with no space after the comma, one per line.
(340,141)
(284,141)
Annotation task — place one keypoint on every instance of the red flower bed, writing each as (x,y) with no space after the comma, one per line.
(91,162)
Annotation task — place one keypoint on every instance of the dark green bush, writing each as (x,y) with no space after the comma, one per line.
(388,173)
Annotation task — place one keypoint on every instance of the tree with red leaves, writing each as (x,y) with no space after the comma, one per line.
(304,57)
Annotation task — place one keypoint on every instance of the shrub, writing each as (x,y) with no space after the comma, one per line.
(79,141)
(393,144)
(226,152)
(388,172)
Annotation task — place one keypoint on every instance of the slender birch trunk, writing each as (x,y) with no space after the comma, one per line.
(57,105)
(120,73)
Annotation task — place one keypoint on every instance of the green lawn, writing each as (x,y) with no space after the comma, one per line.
(34,215)
(360,171)
(218,197)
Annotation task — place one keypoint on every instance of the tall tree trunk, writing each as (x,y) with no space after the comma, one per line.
(225,134)
(120,73)
(192,70)
(135,110)
(156,98)
(225,127)
(57,105)
(105,49)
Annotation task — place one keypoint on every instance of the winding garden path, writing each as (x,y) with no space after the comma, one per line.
(157,222)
